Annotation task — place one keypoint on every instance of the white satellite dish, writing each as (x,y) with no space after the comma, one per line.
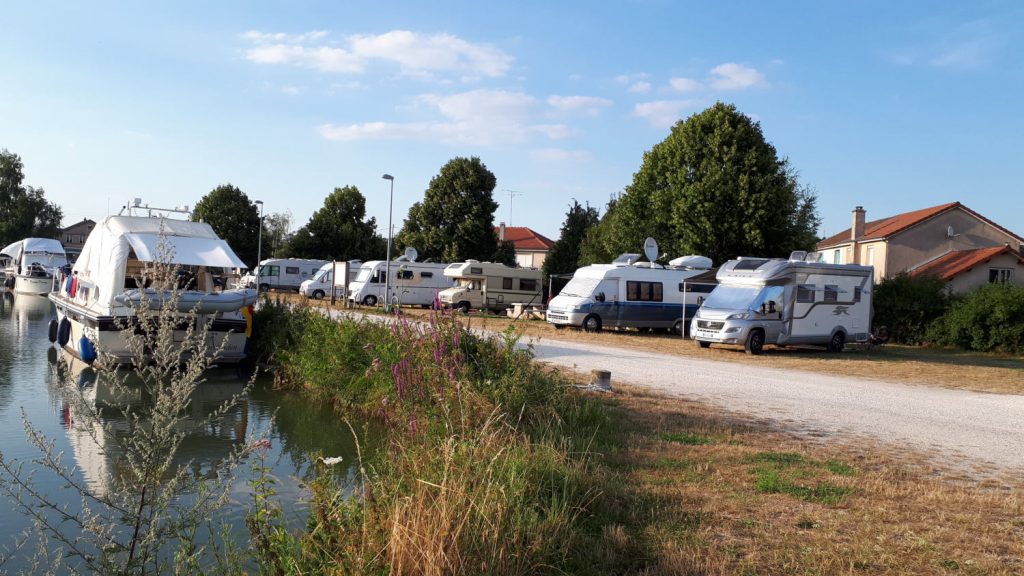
(651,249)
(411,254)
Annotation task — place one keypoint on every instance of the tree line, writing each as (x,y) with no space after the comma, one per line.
(714,186)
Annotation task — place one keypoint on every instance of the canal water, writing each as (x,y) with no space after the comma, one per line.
(33,388)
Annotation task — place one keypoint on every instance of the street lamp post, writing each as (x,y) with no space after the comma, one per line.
(387,265)
(259,247)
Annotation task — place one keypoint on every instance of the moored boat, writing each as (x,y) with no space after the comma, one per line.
(31,264)
(102,296)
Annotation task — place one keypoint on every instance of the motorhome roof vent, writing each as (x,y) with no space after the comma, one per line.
(626,259)
(812,257)
(748,263)
(403,258)
(693,261)
(471,261)
(797,255)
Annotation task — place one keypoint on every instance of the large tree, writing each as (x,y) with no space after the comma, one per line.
(338,231)
(276,229)
(564,256)
(24,210)
(455,220)
(715,187)
(234,218)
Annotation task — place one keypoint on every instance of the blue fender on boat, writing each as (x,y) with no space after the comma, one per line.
(51,332)
(86,350)
(64,332)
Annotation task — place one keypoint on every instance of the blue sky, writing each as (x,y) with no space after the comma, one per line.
(891,105)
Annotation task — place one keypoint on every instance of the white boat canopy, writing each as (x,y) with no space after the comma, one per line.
(12,250)
(104,257)
(42,246)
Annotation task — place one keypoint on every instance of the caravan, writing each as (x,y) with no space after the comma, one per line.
(491,286)
(412,283)
(283,273)
(631,294)
(797,301)
(320,285)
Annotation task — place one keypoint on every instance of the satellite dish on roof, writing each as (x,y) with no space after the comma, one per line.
(651,249)
(411,254)
(951,233)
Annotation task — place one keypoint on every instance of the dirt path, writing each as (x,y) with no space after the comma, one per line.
(975,430)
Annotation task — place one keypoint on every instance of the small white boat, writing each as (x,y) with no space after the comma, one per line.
(102,295)
(31,264)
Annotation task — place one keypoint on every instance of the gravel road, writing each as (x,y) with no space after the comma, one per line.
(968,429)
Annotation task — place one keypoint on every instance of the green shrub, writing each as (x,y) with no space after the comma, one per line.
(908,305)
(990,318)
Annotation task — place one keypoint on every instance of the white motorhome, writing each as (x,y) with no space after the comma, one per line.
(631,294)
(491,286)
(762,301)
(283,273)
(320,285)
(412,283)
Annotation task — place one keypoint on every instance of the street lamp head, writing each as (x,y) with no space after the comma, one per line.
(388,177)
(260,202)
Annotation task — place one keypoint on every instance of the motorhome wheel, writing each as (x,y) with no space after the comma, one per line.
(755,342)
(463,307)
(837,342)
(318,294)
(264,287)
(678,328)
(592,323)
(370,300)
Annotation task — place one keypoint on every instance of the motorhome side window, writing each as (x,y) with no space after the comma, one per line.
(506,283)
(476,270)
(291,269)
(527,284)
(378,277)
(272,271)
(805,293)
(857,293)
(644,291)
(426,274)
(696,288)
(831,293)
(404,275)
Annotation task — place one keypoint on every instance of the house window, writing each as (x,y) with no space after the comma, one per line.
(528,284)
(837,257)
(644,291)
(805,293)
(506,283)
(831,293)
(871,255)
(1000,275)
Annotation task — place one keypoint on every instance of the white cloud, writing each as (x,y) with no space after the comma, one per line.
(662,113)
(477,117)
(685,85)
(732,76)
(640,87)
(560,155)
(588,105)
(414,53)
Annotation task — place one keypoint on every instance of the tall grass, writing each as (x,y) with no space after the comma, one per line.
(489,466)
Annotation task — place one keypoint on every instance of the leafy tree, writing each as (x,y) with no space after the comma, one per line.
(234,218)
(505,254)
(715,187)
(595,247)
(564,256)
(276,228)
(907,305)
(24,210)
(338,230)
(990,318)
(455,220)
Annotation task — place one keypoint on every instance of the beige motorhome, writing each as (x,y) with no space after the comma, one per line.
(491,286)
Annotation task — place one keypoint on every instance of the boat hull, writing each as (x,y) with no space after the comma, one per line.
(226,342)
(38,285)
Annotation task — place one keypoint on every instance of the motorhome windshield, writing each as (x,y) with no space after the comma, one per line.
(373,275)
(321,276)
(729,297)
(580,287)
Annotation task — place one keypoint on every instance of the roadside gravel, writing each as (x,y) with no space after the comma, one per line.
(971,430)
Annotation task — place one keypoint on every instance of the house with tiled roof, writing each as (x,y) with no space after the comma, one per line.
(951,241)
(532,247)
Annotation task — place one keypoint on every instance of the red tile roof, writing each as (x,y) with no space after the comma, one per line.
(525,239)
(888,226)
(952,264)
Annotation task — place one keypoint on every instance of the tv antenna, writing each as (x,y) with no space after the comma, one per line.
(511,194)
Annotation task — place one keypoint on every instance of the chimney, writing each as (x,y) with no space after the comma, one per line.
(857,230)
(501,232)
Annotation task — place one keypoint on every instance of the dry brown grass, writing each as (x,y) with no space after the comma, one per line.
(901,516)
